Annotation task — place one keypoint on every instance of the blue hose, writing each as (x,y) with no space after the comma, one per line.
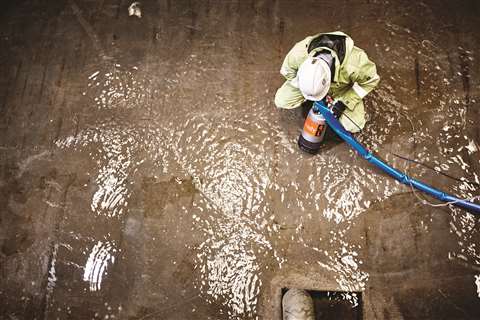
(399,176)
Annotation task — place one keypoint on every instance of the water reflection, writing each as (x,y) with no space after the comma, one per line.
(441,132)
(230,268)
(101,255)
(232,181)
(113,146)
(253,183)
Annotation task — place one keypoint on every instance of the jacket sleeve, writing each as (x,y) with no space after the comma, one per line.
(364,79)
(294,58)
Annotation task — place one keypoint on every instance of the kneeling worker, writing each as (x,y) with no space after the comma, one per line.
(328,63)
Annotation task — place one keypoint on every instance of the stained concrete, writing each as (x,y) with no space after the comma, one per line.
(146,174)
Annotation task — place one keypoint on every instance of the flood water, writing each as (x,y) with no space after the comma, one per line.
(146,173)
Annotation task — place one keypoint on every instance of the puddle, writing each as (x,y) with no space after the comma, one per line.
(241,179)
(181,192)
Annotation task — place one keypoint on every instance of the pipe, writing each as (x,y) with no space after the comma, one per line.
(336,126)
(297,304)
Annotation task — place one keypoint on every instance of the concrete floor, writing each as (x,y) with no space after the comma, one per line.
(146,174)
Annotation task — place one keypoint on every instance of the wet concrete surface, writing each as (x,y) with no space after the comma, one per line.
(146,174)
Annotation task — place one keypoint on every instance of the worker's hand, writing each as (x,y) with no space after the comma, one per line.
(338,108)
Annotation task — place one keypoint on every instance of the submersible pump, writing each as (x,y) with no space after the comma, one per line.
(313,131)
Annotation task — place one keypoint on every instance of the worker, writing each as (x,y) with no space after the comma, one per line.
(328,63)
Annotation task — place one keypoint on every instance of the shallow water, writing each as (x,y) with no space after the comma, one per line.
(179,191)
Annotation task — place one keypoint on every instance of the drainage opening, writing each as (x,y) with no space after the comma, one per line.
(334,305)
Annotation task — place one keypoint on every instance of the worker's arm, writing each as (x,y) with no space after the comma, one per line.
(294,59)
(364,78)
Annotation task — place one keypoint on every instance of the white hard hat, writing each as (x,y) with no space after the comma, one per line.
(314,78)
